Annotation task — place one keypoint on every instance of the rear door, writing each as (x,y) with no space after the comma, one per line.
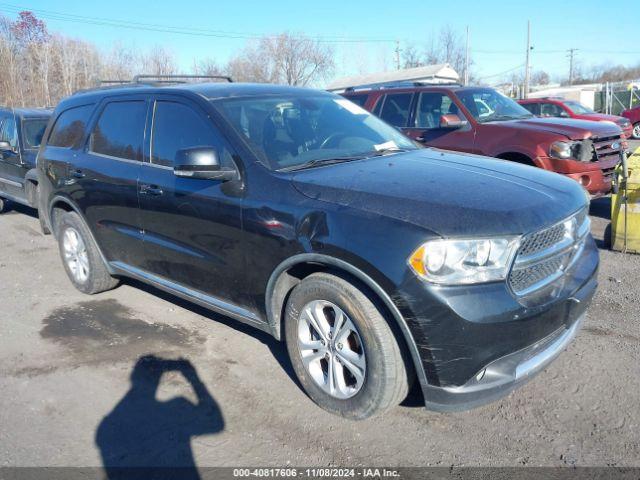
(12,171)
(425,123)
(192,227)
(395,108)
(104,176)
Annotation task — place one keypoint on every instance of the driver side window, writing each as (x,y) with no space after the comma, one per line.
(431,106)
(552,110)
(8,132)
(177,126)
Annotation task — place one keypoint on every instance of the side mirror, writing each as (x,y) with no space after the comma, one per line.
(451,121)
(5,146)
(201,162)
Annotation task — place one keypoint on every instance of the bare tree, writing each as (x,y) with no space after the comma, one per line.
(540,77)
(285,58)
(447,46)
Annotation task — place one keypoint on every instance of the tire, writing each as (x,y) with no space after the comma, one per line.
(80,256)
(2,205)
(371,375)
(636,131)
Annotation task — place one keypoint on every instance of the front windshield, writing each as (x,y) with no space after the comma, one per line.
(292,131)
(577,107)
(487,105)
(32,132)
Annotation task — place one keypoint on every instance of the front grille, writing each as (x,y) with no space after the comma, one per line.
(603,148)
(544,256)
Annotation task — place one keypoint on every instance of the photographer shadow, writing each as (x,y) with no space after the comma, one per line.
(143,437)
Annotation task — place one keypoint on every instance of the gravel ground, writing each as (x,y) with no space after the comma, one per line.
(70,395)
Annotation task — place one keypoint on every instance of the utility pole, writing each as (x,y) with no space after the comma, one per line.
(527,70)
(571,57)
(397,50)
(466,60)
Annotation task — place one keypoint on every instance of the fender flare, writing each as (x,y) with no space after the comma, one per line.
(32,175)
(274,319)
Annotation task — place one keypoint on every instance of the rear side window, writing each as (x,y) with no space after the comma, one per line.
(120,130)
(534,108)
(177,126)
(395,109)
(69,127)
(358,99)
(552,110)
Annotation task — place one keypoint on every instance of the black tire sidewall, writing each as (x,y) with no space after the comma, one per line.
(367,400)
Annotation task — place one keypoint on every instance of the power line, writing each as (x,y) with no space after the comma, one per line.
(192,31)
(503,73)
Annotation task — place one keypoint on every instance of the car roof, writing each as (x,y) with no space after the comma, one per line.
(209,91)
(411,88)
(29,112)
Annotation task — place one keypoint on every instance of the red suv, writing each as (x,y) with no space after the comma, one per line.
(559,107)
(633,115)
(483,121)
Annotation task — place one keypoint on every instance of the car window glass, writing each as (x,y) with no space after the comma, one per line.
(33,131)
(551,110)
(532,107)
(431,106)
(395,109)
(177,126)
(69,127)
(120,130)
(8,133)
(358,99)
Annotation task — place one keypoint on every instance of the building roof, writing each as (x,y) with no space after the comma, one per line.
(442,73)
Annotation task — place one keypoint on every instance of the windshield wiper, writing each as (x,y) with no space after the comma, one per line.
(321,161)
(499,118)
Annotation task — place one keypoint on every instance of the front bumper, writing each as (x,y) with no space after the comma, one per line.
(595,177)
(478,343)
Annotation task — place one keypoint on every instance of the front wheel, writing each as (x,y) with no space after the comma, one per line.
(636,131)
(342,349)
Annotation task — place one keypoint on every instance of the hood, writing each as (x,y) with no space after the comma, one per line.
(447,193)
(602,117)
(569,127)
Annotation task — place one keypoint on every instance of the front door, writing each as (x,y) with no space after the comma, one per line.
(192,227)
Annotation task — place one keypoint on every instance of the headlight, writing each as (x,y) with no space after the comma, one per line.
(581,151)
(464,261)
(624,123)
(562,150)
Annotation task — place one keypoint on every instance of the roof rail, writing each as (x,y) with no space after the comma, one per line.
(381,86)
(177,78)
(113,82)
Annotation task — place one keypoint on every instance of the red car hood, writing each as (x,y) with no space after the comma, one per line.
(600,117)
(570,127)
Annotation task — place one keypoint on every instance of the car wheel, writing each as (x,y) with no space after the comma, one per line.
(2,205)
(342,349)
(636,131)
(80,256)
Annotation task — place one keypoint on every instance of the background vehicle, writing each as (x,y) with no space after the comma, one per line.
(482,121)
(298,212)
(21,131)
(559,107)
(633,115)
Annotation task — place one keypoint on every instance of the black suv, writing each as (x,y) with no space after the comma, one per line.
(296,211)
(21,130)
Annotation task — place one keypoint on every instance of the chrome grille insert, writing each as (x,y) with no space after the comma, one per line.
(544,256)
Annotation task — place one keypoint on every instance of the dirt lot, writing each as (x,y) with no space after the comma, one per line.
(70,394)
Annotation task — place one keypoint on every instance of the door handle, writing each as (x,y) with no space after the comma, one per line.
(150,190)
(419,139)
(78,174)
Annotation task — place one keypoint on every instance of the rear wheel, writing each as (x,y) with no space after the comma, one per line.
(80,256)
(342,349)
(636,131)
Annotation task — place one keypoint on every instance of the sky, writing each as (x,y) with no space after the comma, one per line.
(362,33)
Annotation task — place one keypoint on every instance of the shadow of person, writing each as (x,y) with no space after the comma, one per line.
(143,437)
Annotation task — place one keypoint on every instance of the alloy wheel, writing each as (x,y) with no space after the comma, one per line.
(331,349)
(75,255)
